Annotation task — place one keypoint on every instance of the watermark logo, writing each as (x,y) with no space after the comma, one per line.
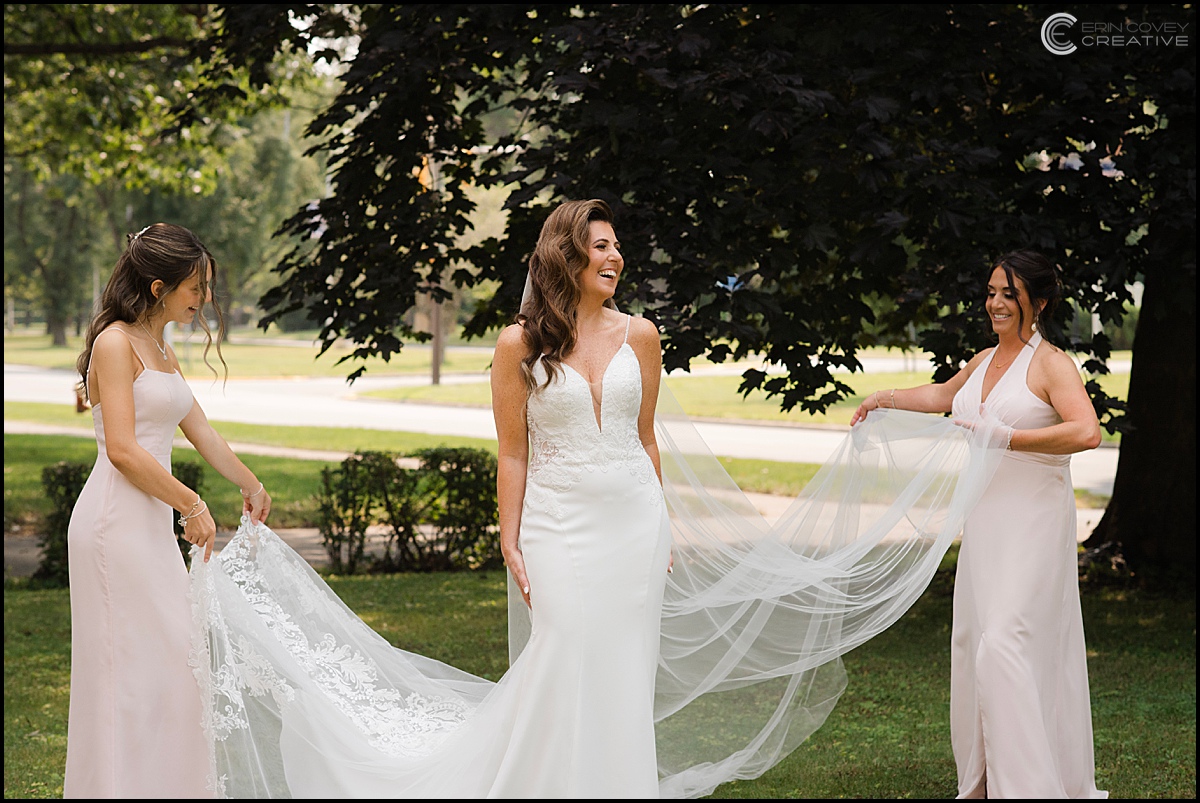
(1055,32)
(1063,34)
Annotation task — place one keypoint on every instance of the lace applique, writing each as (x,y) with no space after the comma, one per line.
(565,441)
(397,723)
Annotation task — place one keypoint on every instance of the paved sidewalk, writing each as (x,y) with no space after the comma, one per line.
(329,402)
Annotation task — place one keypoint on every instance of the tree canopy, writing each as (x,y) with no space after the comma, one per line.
(772,168)
(789,180)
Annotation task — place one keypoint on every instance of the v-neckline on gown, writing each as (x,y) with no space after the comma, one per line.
(983,397)
(598,402)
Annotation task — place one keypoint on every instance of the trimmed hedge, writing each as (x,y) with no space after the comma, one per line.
(63,482)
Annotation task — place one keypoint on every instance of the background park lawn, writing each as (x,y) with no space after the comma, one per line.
(888,737)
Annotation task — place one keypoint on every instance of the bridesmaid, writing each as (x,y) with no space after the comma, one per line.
(135,716)
(1020,714)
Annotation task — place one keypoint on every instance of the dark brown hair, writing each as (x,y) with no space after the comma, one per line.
(161,251)
(561,254)
(1040,278)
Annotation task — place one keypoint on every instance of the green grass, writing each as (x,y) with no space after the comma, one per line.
(249,358)
(888,737)
(293,483)
(701,396)
(717,397)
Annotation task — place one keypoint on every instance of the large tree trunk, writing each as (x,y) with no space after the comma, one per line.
(1152,513)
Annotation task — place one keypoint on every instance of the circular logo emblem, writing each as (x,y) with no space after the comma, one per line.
(1054,34)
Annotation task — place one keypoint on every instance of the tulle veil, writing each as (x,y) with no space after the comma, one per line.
(756,618)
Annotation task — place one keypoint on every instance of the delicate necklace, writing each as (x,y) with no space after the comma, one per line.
(1002,364)
(161,349)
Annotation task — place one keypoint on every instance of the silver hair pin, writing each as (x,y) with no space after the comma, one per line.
(140,233)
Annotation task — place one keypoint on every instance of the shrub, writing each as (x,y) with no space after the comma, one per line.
(466,521)
(63,482)
(344,513)
(437,508)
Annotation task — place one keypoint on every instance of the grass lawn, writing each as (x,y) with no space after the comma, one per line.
(249,357)
(887,738)
(292,482)
(717,397)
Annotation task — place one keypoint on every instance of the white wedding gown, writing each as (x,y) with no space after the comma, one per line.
(624,682)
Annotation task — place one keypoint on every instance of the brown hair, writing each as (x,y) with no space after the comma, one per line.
(1041,281)
(161,251)
(561,254)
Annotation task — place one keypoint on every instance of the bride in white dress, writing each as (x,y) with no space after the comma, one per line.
(664,637)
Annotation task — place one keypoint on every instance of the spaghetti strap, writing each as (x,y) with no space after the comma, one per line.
(133,346)
(628,320)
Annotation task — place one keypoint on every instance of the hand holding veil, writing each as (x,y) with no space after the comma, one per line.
(302,697)
(757,614)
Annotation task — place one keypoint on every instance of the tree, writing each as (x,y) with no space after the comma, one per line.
(101,102)
(771,167)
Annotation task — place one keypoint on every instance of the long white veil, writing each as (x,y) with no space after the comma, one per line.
(758,614)
(302,697)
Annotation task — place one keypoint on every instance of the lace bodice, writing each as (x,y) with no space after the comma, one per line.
(565,438)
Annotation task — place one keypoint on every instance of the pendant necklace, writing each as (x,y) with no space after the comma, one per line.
(161,349)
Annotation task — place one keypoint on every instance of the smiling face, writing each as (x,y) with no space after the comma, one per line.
(182,303)
(605,262)
(1008,306)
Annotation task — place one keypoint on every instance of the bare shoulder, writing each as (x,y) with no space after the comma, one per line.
(113,342)
(973,363)
(510,345)
(642,331)
(1053,363)
(1052,356)
(511,338)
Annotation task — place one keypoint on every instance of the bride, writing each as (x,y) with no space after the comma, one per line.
(664,637)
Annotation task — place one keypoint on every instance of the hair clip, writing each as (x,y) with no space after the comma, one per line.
(140,233)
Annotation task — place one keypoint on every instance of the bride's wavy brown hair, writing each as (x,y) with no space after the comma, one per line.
(159,251)
(561,254)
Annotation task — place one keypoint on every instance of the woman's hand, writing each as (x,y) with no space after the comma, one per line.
(868,404)
(201,530)
(257,504)
(516,564)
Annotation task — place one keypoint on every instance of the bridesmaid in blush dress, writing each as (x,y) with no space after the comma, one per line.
(135,724)
(1020,714)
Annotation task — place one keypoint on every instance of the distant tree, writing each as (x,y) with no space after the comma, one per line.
(103,102)
(772,168)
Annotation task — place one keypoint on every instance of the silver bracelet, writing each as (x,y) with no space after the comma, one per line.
(250,496)
(183,520)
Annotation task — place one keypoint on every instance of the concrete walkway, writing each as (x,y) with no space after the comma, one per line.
(329,402)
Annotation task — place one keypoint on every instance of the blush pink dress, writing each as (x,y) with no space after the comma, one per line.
(1020,714)
(135,719)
